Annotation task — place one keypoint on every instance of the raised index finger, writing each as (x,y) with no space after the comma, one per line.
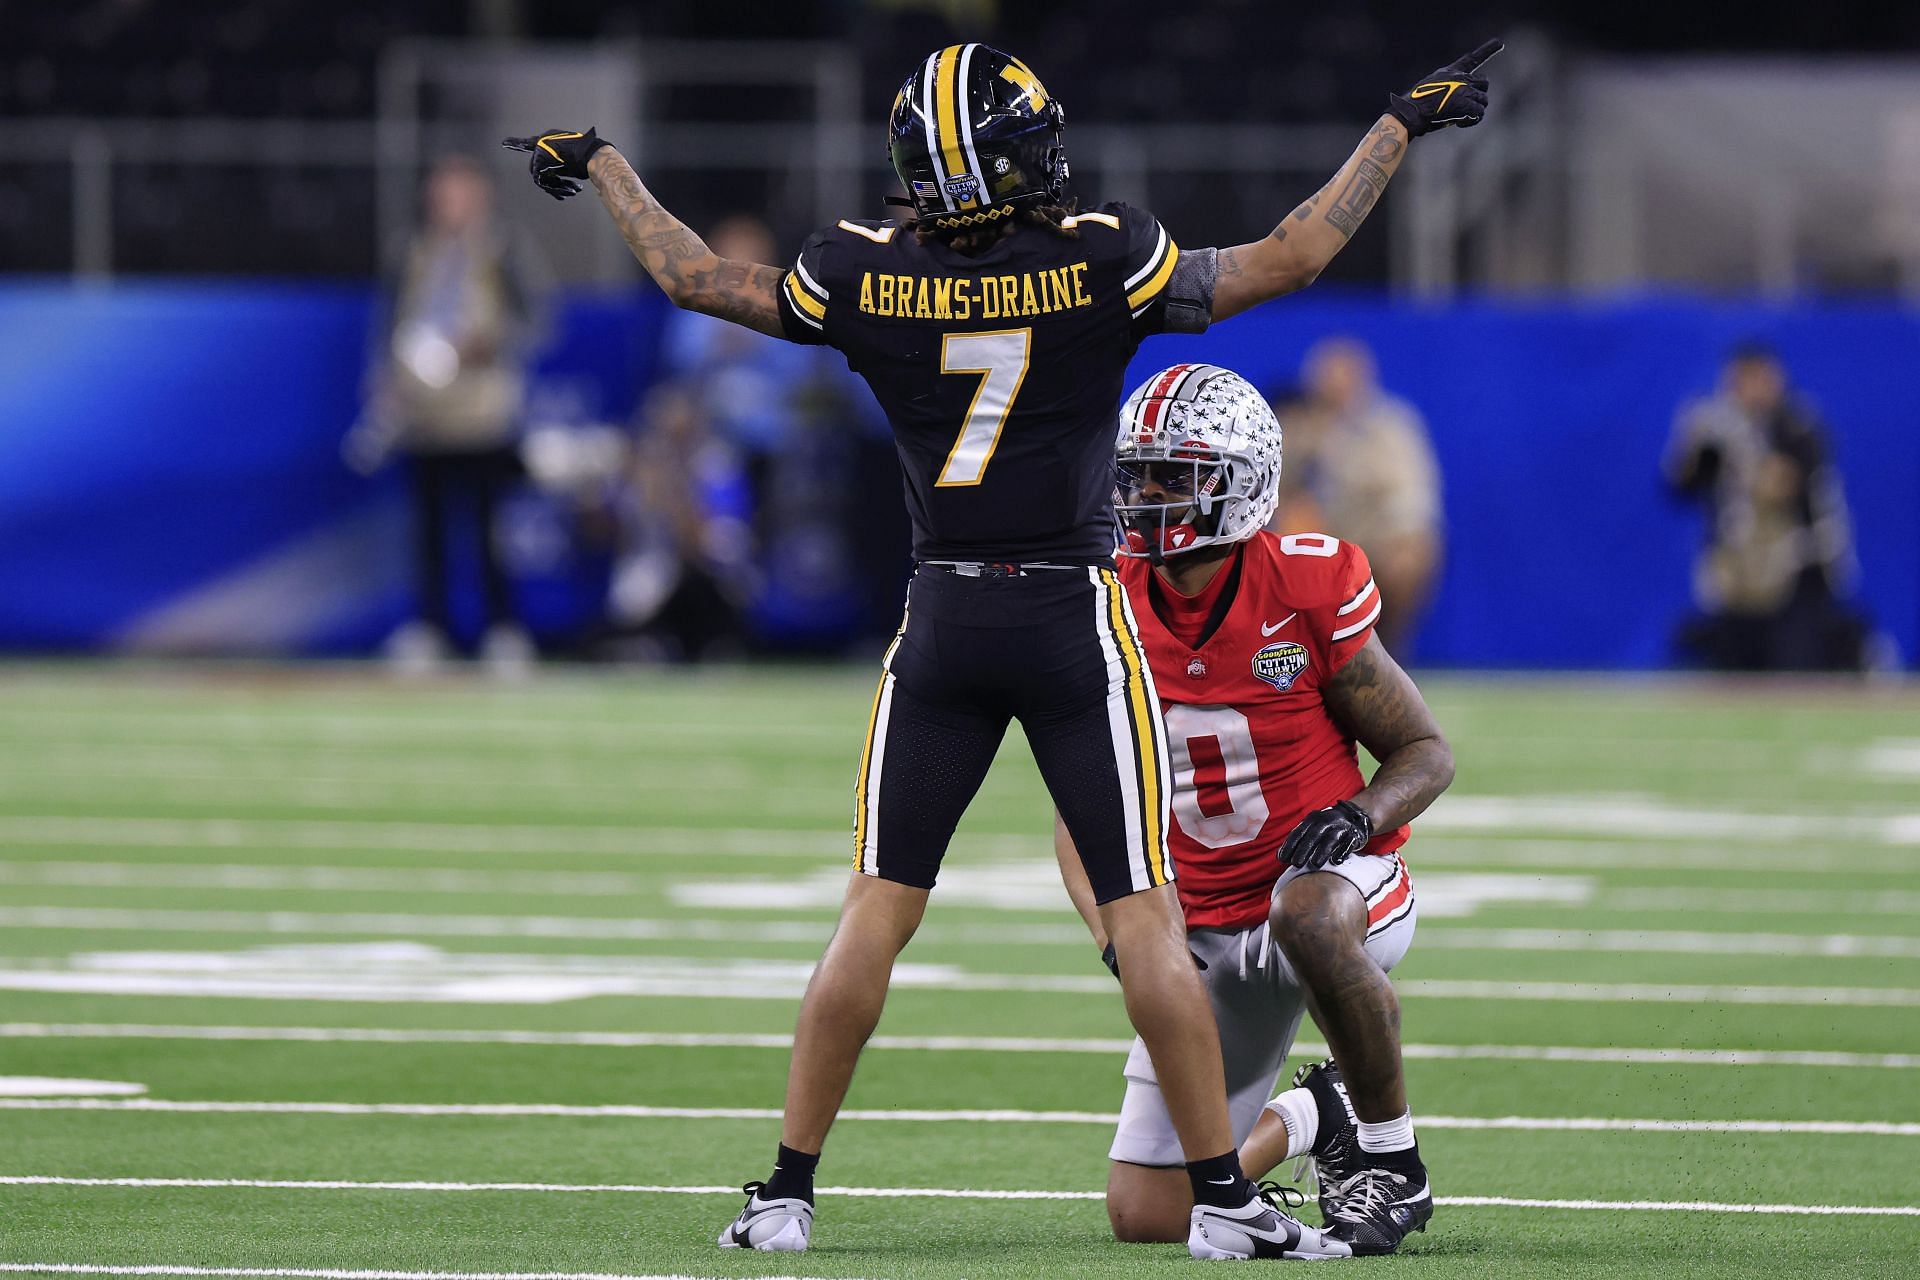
(518,144)
(1480,57)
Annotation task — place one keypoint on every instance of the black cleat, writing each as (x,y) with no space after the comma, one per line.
(1336,1154)
(1375,1209)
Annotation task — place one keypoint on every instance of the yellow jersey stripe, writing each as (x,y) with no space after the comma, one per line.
(946,94)
(1150,290)
(1104,219)
(803,300)
(1146,754)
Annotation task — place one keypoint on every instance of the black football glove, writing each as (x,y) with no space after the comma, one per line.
(1327,836)
(1453,95)
(559,163)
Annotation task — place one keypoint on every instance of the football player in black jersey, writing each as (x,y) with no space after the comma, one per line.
(994,325)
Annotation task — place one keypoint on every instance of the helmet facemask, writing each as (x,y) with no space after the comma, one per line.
(1175,501)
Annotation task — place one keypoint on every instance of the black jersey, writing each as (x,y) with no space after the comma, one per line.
(1000,373)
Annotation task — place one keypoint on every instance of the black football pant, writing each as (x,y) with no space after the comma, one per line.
(1055,649)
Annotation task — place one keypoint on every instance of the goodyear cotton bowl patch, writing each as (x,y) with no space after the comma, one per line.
(1280,664)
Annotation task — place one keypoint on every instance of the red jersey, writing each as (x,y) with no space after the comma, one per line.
(1254,748)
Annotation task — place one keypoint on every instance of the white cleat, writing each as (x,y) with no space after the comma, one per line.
(1258,1229)
(771,1226)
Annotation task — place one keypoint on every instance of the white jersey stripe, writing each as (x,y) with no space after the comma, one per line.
(1357,601)
(814,287)
(870,848)
(1153,259)
(1359,626)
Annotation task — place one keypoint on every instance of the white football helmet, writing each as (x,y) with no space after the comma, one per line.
(1199,455)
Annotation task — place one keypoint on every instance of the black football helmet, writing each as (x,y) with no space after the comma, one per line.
(974,135)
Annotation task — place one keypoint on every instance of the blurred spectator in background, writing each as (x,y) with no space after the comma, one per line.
(685,566)
(447,396)
(745,381)
(795,542)
(1779,552)
(1359,466)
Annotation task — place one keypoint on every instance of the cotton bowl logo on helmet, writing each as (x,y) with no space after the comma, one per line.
(1199,462)
(974,135)
(1280,664)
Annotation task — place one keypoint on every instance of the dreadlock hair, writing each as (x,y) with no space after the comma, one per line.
(972,240)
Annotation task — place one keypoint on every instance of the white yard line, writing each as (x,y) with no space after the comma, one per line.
(628,1111)
(1841,857)
(78,874)
(416,836)
(410,972)
(389,924)
(1888,902)
(465,837)
(1692,835)
(1658,993)
(910,1193)
(648,929)
(935,1044)
(1678,943)
(328,1273)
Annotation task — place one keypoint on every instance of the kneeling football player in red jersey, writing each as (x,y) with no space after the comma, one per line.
(1288,870)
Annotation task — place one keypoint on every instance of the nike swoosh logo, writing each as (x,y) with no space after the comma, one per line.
(1433,87)
(1219,1182)
(1266,630)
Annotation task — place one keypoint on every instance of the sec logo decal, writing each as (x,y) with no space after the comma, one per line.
(1280,664)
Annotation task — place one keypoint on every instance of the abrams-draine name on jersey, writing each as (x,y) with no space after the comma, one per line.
(1032,293)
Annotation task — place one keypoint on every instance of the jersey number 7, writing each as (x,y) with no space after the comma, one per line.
(1000,358)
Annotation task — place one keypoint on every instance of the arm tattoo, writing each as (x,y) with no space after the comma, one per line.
(1227,262)
(1385,146)
(678,260)
(1356,200)
(1375,701)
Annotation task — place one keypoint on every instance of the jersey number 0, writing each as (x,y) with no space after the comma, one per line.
(1000,358)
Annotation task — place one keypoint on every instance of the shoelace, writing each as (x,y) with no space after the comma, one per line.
(1364,1195)
(1279,1196)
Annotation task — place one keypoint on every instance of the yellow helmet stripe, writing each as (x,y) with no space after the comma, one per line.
(946,95)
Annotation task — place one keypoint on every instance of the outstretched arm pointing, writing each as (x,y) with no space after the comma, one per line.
(1294,253)
(679,261)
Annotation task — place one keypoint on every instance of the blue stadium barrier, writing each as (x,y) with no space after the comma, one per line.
(169,465)
(1549,419)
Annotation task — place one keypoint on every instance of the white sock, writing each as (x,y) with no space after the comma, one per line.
(1301,1114)
(1388,1135)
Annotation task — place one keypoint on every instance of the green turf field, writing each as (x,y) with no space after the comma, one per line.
(461,978)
